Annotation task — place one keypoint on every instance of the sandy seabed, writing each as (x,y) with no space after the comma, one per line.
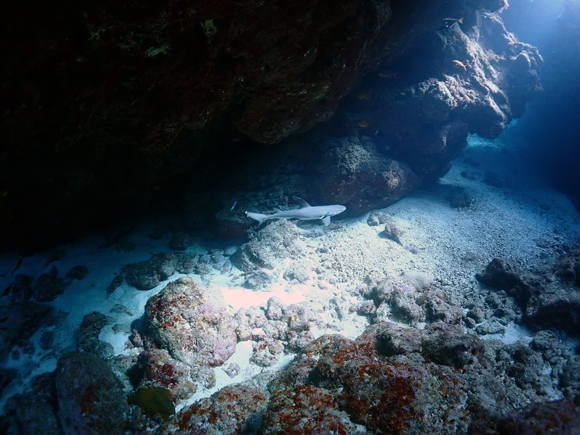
(522,221)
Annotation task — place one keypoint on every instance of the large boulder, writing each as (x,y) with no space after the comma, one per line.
(192,323)
(90,398)
(350,171)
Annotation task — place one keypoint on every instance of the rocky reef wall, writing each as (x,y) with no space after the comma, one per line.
(104,102)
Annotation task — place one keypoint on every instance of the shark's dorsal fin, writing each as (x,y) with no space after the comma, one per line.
(277,210)
(303,204)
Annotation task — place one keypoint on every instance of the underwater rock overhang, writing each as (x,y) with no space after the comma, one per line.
(101,102)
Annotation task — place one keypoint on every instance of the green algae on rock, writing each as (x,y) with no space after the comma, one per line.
(153,401)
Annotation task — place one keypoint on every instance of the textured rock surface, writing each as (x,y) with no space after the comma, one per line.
(191,323)
(18,323)
(424,112)
(545,301)
(559,417)
(269,247)
(397,381)
(48,286)
(160,370)
(279,329)
(34,412)
(88,336)
(306,409)
(90,398)
(353,173)
(568,267)
(232,410)
(148,274)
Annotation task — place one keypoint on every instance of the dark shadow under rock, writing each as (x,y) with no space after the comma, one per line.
(48,286)
(459,198)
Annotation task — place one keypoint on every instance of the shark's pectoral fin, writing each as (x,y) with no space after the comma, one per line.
(326,221)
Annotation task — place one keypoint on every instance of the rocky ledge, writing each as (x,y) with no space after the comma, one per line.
(105,106)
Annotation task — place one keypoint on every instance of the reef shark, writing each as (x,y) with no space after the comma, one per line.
(304,213)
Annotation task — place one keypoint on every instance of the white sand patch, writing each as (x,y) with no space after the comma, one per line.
(237,298)
(513,333)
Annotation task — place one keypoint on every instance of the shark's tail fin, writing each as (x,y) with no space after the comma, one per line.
(257,216)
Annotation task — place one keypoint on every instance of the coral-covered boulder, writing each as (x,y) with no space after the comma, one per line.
(387,381)
(232,410)
(391,380)
(160,370)
(192,323)
(308,410)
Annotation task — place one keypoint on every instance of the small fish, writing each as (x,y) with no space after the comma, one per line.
(324,216)
(17,266)
(458,64)
(388,74)
(233,206)
(362,123)
(459,20)
(363,95)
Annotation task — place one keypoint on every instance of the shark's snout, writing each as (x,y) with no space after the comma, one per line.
(337,210)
